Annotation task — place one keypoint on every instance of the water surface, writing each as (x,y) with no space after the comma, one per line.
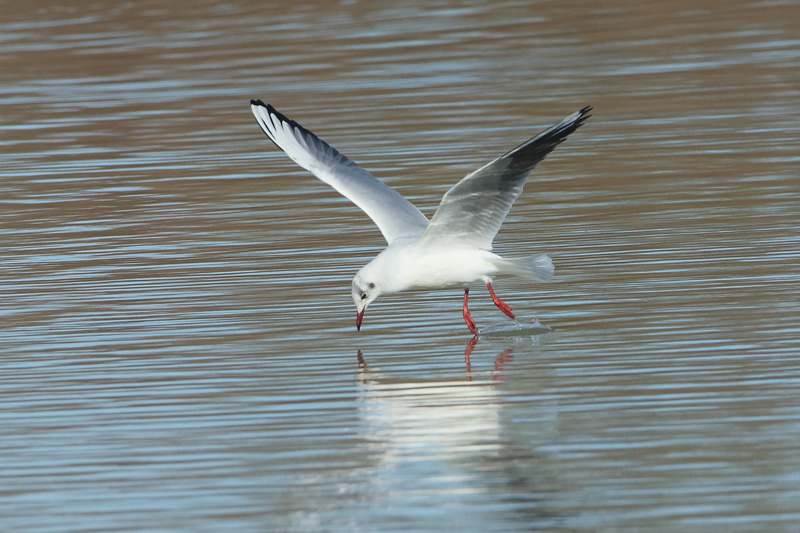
(179,350)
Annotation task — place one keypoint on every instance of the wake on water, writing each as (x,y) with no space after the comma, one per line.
(516,329)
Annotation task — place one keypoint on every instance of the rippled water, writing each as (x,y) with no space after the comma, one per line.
(179,350)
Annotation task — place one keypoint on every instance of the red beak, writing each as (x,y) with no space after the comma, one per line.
(359,318)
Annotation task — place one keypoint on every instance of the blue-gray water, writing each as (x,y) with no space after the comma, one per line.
(177,336)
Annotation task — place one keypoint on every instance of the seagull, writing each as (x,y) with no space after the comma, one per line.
(453,248)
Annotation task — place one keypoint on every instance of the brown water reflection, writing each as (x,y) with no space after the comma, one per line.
(178,346)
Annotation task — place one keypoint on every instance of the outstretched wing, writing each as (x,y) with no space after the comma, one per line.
(395,216)
(474,209)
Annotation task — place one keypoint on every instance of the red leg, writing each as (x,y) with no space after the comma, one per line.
(504,307)
(467,317)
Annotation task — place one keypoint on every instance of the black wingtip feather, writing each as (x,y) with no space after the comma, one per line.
(526,156)
(292,123)
(299,129)
(584,115)
(272,111)
(280,116)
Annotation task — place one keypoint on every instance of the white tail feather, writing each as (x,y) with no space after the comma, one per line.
(537,267)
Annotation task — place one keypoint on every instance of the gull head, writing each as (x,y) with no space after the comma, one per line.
(364,291)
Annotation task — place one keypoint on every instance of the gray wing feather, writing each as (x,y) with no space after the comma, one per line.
(395,216)
(474,209)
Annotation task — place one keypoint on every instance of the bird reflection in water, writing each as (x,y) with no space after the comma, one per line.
(500,364)
(504,359)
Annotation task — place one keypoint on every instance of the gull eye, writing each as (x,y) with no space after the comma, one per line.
(363,295)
